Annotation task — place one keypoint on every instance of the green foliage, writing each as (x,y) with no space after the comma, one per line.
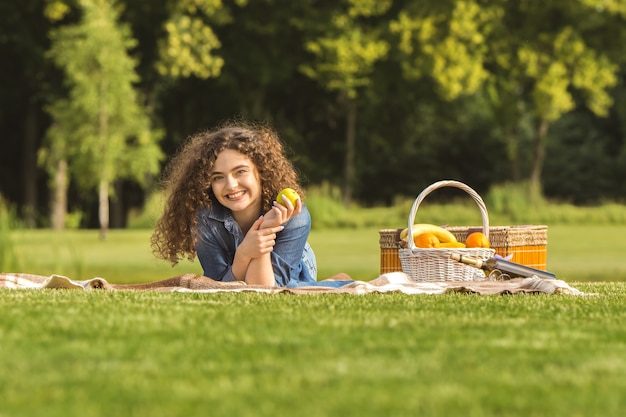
(186,51)
(56,10)
(73,220)
(189,46)
(347,52)
(368,8)
(101,127)
(611,7)
(325,206)
(325,203)
(8,257)
(513,200)
(507,204)
(161,354)
(449,46)
(568,62)
(584,162)
(445,89)
(529,70)
(147,216)
(348,61)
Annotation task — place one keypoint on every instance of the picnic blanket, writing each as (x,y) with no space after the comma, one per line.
(394,282)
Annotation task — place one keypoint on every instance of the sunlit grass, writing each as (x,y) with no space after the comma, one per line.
(69,353)
(125,256)
(575,253)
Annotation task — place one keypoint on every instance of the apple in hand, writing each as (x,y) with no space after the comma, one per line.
(288,193)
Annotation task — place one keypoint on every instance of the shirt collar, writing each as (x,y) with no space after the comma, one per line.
(219,213)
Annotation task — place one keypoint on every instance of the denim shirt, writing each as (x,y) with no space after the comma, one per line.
(219,235)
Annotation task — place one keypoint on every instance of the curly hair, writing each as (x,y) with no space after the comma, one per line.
(188,184)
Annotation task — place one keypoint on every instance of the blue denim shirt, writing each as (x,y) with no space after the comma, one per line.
(219,235)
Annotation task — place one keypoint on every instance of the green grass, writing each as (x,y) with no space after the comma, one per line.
(575,253)
(125,256)
(73,353)
(590,253)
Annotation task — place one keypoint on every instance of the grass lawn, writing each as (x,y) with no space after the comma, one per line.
(74,353)
(575,253)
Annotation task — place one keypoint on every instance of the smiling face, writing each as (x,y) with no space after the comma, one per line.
(236,184)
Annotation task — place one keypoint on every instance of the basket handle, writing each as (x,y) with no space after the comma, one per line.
(448,183)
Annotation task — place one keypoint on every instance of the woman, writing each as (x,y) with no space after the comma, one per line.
(221,207)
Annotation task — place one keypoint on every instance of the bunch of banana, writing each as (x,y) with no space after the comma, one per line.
(443,238)
(444,235)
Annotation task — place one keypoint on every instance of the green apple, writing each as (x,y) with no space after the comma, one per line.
(290,194)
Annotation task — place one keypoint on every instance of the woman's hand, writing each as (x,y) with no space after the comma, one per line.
(280,214)
(252,262)
(259,240)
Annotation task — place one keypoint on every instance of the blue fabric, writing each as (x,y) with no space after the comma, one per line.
(333,284)
(219,235)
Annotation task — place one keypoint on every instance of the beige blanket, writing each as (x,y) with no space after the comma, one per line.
(391,282)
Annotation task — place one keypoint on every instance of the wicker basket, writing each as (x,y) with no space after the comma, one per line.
(389,245)
(527,244)
(434,264)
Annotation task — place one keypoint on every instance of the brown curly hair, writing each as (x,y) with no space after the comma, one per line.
(188,185)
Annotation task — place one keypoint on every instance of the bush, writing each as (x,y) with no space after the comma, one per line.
(507,204)
(147,217)
(326,209)
(8,258)
(513,200)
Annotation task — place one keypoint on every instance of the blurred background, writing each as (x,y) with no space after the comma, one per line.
(375,99)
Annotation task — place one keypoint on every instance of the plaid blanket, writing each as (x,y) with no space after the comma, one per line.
(397,282)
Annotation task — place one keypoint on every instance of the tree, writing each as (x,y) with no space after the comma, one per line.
(535,59)
(463,86)
(28,78)
(100,128)
(187,48)
(345,57)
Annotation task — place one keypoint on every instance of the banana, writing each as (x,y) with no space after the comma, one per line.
(452,245)
(442,234)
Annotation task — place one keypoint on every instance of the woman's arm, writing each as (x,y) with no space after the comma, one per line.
(215,252)
(223,260)
(289,248)
(260,271)
(280,261)
(252,261)
(265,269)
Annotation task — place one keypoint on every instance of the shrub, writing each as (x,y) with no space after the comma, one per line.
(507,204)
(8,258)
(147,216)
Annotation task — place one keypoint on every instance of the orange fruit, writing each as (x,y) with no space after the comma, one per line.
(477,240)
(426,240)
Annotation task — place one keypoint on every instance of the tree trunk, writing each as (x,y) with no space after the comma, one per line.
(59,199)
(103,208)
(539,157)
(350,150)
(29,166)
(512,151)
(103,190)
(117,210)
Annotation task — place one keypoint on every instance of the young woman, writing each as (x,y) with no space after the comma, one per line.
(221,207)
